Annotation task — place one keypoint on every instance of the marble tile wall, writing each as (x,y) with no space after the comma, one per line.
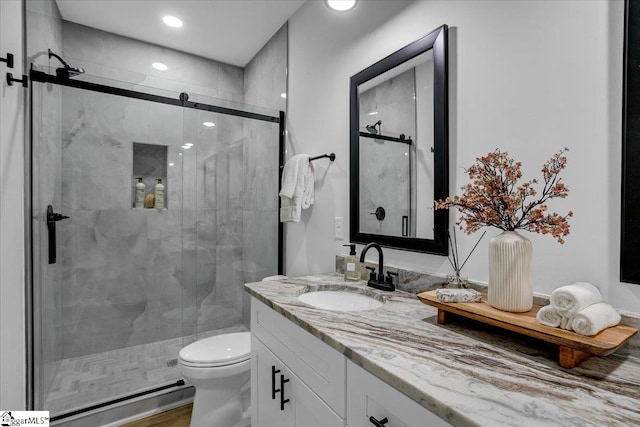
(133,276)
(265,82)
(385,179)
(123,267)
(137,276)
(219,182)
(45,31)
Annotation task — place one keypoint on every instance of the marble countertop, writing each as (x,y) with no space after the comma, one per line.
(467,373)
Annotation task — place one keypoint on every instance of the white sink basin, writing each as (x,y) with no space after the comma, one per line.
(340,301)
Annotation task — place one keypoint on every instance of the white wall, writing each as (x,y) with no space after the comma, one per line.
(12,341)
(526,77)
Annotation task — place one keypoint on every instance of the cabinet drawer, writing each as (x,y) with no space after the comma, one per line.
(369,396)
(319,366)
(280,399)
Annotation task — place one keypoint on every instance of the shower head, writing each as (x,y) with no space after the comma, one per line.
(372,128)
(67,71)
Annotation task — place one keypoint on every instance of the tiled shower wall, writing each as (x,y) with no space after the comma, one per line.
(136,276)
(265,83)
(384,182)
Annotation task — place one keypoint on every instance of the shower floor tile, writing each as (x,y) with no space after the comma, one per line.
(89,380)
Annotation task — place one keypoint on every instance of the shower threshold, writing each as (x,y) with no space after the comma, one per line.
(94,381)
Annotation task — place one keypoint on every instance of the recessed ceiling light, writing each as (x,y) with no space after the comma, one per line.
(172,21)
(208,124)
(283,95)
(160,66)
(341,5)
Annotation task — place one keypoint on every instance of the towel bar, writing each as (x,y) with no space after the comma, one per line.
(331,157)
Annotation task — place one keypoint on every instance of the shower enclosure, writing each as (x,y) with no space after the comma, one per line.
(387,156)
(118,290)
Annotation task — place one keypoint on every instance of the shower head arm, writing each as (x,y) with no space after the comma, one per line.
(59,59)
(68,71)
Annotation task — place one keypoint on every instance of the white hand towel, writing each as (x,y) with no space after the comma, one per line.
(289,212)
(566,323)
(293,175)
(308,187)
(549,316)
(297,190)
(595,318)
(571,299)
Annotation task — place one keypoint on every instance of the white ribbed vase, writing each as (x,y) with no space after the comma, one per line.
(510,278)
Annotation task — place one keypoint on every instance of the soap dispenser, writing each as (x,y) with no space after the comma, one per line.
(351,264)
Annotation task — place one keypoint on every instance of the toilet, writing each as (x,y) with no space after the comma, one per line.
(219,368)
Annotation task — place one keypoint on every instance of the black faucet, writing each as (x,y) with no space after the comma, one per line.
(377,280)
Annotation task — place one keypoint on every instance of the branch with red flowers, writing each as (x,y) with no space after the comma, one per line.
(493,197)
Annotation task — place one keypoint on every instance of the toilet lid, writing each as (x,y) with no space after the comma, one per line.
(223,349)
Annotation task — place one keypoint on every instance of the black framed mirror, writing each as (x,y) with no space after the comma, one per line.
(630,218)
(399,148)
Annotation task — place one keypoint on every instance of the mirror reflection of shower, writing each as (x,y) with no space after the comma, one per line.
(372,128)
(68,71)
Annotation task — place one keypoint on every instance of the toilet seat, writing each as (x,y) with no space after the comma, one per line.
(221,350)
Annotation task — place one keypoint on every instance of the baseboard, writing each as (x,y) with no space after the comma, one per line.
(131,410)
(150,413)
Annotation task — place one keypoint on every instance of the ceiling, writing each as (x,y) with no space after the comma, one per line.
(230,31)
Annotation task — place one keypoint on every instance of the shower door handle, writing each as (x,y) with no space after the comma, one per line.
(52,218)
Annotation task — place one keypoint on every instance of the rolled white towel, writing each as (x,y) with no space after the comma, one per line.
(595,318)
(571,299)
(566,323)
(549,316)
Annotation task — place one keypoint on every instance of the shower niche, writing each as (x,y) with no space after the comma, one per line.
(150,168)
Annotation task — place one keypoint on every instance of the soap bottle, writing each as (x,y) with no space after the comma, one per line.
(351,264)
(139,200)
(159,193)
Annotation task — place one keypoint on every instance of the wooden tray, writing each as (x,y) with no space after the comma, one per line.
(573,348)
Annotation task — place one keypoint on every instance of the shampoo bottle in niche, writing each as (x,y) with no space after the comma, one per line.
(351,264)
(159,193)
(139,200)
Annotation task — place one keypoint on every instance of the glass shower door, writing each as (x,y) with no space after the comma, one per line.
(231,158)
(107,276)
(385,203)
(121,284)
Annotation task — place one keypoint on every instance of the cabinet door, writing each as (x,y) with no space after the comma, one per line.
(280,399)
(368,396)
(265,399)
(319,366)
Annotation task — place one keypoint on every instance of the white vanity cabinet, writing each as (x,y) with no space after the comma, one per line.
(281,398)
(371,400)
(311,373)
(299,381)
